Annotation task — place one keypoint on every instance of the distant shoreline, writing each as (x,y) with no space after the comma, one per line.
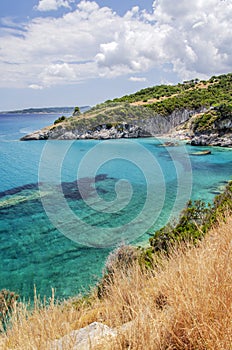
(45,110)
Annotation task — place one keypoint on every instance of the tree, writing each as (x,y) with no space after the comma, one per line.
(76,111)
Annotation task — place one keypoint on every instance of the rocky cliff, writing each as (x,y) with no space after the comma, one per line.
(219,134)
(113,125)
(212,127)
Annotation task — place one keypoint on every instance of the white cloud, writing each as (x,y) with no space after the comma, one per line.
(35,87)
(50,5)
(137,79)
(88,6)
(192,37)
(53,73)
(198,38)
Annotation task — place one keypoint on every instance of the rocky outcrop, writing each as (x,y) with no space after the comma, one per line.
(34,136)
(223,124)
(85,338)
(219,134)
(95,335)
(137,127)
(212,140)
(100,132)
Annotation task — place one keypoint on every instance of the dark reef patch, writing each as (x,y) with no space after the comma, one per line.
(77,189)
(15,190)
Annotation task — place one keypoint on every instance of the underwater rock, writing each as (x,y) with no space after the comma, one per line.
(201,153)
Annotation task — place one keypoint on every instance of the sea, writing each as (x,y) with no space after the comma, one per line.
(65,205)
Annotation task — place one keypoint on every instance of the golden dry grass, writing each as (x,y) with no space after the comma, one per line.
(186,303)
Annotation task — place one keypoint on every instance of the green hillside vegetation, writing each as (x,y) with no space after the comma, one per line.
(215,95)
(156,92)
(189,95)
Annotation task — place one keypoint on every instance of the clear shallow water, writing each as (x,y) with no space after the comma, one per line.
(36,250)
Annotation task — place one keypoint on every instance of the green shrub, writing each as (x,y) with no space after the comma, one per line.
(109,126)
(60,120)
(205,121)
(194,222)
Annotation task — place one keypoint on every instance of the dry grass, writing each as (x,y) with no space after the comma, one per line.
(186,303)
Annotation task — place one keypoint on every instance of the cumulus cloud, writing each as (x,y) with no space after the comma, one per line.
(53,73)
(50,5)
(198,36)
(192,37)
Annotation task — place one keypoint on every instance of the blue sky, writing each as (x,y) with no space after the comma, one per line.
(69,52)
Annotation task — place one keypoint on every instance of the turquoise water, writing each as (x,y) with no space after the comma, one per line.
(64,205)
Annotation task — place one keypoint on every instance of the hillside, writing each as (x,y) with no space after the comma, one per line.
(200,111)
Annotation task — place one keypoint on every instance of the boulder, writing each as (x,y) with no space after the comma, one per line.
(85,338)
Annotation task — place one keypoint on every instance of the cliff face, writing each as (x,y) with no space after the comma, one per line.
(160,125)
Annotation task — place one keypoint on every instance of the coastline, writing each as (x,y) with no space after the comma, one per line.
(211,140)
(130,132)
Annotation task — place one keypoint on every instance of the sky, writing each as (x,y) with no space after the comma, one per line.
(76,53)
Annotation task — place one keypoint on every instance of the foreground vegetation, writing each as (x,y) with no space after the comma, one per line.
(180,300)
(185,303)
